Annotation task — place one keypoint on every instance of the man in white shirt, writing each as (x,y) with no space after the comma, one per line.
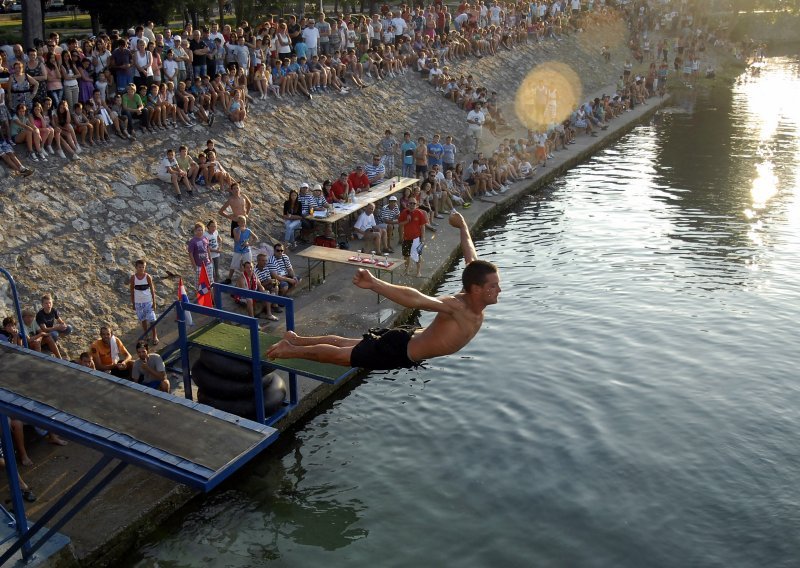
(215,33)
(400,26)
(475,120)
(367,228)
(311,38)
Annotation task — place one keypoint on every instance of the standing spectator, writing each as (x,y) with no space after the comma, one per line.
(239,204)
(435,152)
(387,148)
(449,152)
(148,369)
(50,321)
(143,297)
(407,149)
(475,120)
(242,237)
(199,254)
(413,222)
(110,356)
(214,246)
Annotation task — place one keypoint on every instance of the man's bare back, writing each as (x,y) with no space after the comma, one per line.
(458,319)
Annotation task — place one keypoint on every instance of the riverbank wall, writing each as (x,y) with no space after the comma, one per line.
(96,218)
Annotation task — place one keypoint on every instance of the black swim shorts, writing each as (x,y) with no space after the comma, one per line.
(383,349)
(407,248)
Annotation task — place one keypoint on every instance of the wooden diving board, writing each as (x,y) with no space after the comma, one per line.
(186,441)
(235,341)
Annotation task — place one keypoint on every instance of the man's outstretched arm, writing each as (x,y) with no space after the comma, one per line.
(467,247)
(403,295)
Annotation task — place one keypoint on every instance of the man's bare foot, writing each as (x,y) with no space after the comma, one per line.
(280,350)
(26,461)
(55,440)
(290,336)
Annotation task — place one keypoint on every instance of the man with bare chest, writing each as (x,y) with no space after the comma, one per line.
(458,319)
(238,203)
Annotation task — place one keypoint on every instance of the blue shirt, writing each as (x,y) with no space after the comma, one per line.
(449,153)
(241,245)
(408,152)
(301,49)
(435,154)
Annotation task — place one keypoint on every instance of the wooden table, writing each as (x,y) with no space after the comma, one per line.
(320,255)
(374,194)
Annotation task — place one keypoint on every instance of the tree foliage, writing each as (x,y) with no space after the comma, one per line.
(122,14)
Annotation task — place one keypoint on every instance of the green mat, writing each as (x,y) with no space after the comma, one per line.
(235,340)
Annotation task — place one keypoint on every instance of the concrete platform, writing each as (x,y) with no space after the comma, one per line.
(138,501)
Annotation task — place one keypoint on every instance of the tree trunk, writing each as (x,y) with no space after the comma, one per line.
(221,14)
(32,23)
(301,8)
(95,17)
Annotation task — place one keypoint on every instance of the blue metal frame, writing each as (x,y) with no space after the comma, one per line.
(15,297)
(255,344)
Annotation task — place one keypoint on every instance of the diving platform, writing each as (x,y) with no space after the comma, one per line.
(234,341)
(182,440)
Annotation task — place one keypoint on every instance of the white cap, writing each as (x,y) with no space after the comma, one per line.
(393,198)
(304,184)
(176,38)
(317,187)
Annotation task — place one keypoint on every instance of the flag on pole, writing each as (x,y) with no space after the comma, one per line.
(204,289)
(182,297)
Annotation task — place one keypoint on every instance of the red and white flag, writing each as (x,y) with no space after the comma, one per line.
(204,289)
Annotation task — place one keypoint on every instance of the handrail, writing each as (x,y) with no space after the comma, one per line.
(155,323)
(218,289)
(17,307)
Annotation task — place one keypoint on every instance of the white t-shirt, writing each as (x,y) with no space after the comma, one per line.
(475,118)
(310,37)
(399,26)
(165,164)
(365,222)
(495,11)
(170,67)
(216,35)
(434,73)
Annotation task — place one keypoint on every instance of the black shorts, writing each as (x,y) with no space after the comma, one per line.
(384,349)
(406,247)
(234,224)
(421,169)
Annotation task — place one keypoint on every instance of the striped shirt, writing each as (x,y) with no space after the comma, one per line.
(306,203)
(375,172)
(387,213)
(280,266)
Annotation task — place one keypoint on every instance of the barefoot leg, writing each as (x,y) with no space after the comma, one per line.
(323,353)
(335,340)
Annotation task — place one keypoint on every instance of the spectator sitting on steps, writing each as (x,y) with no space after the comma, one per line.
(110,356)
(50,321)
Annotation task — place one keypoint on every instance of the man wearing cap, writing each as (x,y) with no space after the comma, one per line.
(375,171)
(358,180)
(340,188)
(317,199)
(387,220)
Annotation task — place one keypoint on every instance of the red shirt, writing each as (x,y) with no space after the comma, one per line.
(339,189)
(358,181)
(416,220)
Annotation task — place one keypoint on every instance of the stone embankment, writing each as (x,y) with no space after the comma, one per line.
(75,228)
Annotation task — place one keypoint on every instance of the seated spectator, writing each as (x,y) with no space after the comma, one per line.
(148,369)
(358,180)
(367,228)
(85,360)
(9,332)
(387,221)
(339,190)
(236,110)
(50,321)
(375,171)
(280,268)
(110,356)
(37,337)
(170,172)
(317,198)
(292,218)
(250,281)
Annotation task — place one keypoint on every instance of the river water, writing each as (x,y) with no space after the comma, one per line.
(632,401)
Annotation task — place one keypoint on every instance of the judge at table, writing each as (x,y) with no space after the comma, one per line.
(367,228)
